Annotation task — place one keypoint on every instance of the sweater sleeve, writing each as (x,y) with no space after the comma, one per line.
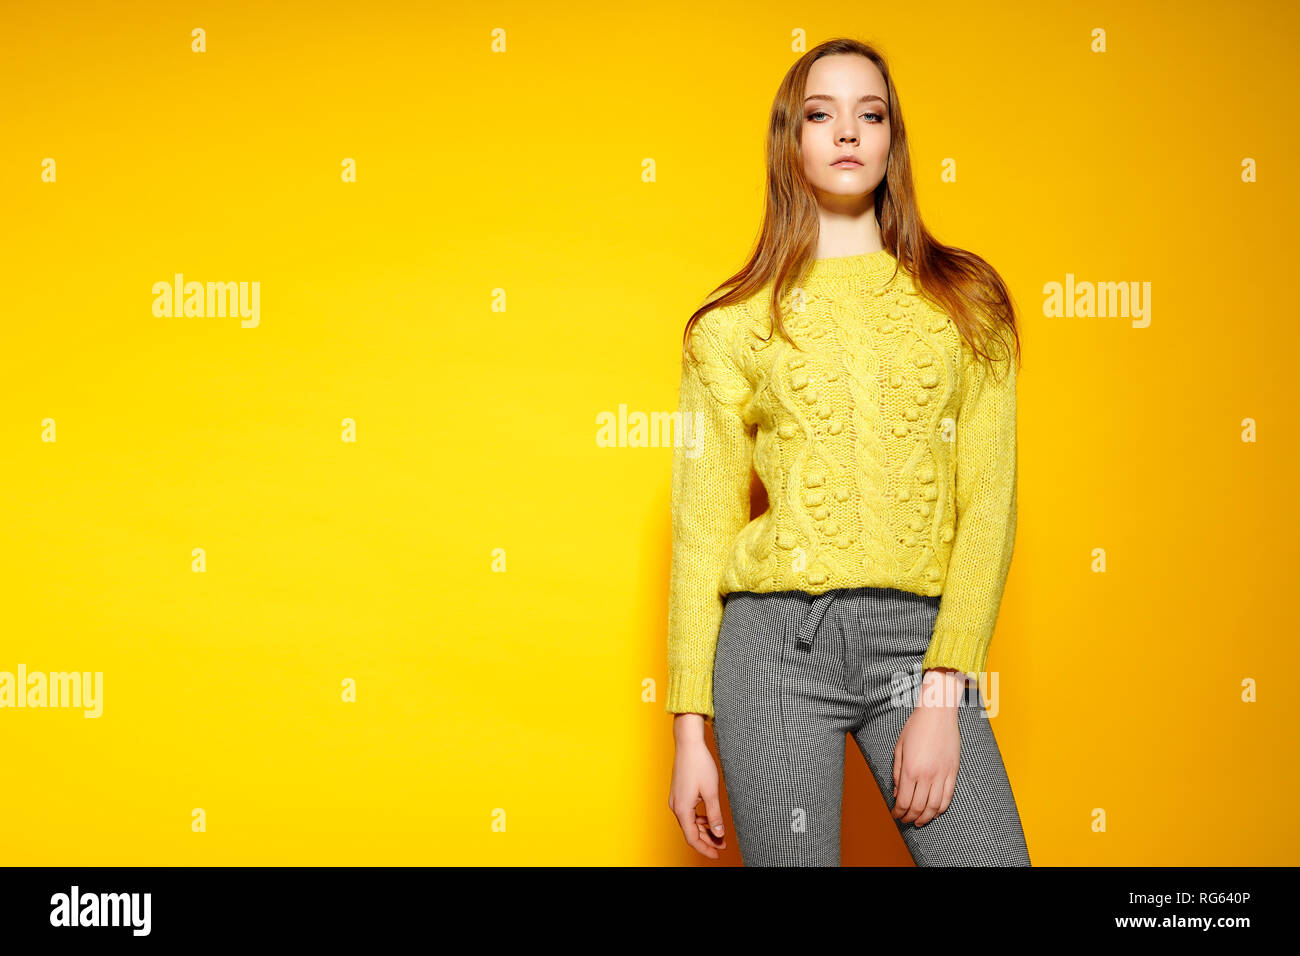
(712,456)
(986,478)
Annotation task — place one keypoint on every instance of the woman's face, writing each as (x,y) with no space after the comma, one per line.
(845,114)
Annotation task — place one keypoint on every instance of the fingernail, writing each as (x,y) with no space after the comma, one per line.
(718,830)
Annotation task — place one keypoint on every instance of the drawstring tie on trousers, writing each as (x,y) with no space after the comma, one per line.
(813,618)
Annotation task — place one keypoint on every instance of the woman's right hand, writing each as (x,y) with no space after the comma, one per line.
(695,778)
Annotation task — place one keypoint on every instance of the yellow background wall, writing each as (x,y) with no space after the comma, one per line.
(516,177)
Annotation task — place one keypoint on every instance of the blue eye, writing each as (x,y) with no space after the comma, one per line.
(878,117)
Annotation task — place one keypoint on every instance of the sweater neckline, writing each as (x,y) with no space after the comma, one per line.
(869,265)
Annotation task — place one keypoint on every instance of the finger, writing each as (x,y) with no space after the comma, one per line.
(703,844)
(917,797)
(705,829)
(903,799)
(713,808)
(707,833)
(709,840)
(932,804)
(920,799)
(690,830)
(898,760)
(949,787)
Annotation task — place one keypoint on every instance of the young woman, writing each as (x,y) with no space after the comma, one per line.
(867,373)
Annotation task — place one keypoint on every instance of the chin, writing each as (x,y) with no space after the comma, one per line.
(839,189)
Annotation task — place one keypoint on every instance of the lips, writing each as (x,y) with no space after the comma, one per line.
(846,161)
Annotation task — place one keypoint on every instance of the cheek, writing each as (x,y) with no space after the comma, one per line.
(813,171)
(809,162)
(814,148)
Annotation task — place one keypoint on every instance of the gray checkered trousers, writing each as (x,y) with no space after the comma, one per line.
(792,675)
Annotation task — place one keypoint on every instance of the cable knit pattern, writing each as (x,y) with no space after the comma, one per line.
(887,451)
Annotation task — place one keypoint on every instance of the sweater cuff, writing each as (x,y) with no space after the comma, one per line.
(964,652)
(690,693)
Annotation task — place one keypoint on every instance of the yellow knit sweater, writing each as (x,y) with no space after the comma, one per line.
(887,451)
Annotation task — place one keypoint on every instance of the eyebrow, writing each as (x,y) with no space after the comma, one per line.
(823,96)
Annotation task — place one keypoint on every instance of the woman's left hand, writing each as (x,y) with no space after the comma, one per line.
(928,751)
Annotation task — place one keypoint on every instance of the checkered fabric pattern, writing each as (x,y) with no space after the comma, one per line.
(793,675)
